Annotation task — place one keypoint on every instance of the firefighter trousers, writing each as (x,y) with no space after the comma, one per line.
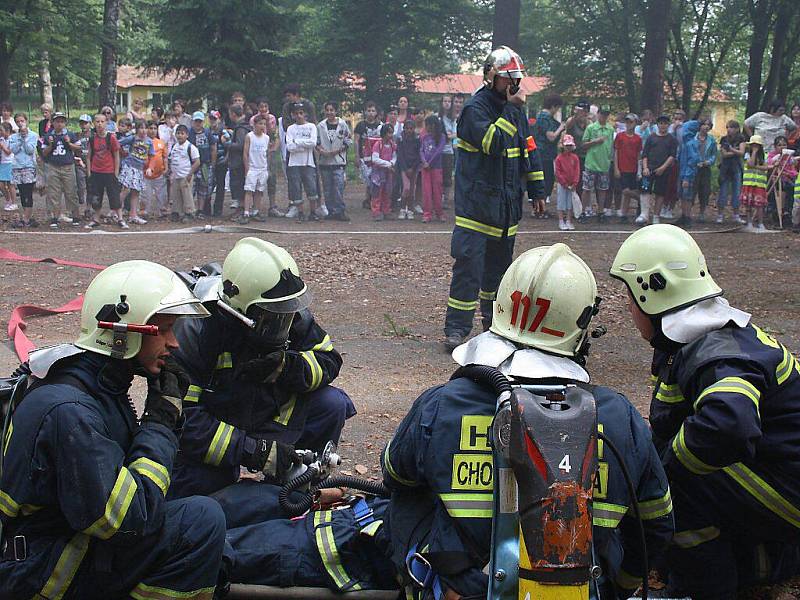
(480,262)
(726,539)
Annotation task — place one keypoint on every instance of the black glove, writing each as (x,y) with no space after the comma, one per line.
(165,393)
(272,458)
(264,369)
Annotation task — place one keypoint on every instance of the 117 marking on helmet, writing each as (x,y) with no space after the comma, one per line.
(518,298)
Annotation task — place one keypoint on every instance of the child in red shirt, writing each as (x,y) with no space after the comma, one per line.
(627,148)
(568,175)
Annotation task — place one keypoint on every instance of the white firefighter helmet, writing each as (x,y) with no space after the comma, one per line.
(262,282)
(130,293)
(502,61)
(664,269)
(546,300)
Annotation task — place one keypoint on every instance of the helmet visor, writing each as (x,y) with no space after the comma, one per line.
(192,308)
(271,328)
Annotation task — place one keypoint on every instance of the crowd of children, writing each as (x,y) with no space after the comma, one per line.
(178,165)
(667,164)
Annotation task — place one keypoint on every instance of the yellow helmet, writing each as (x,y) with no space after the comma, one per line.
(129,293)
(261,281)
(664,269)
(546,300)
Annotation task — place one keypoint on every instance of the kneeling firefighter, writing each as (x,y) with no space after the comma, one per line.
(439,464)
(726,415)
(260,370)
(83,483)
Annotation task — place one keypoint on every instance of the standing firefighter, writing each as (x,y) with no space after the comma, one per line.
(496,158)
(726,409)
(83,484)
(260,369)
(439,464)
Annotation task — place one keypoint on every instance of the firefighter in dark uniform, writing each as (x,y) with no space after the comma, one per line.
(83,483)
(439,462)
(726,409)
(496,161)
(260,369)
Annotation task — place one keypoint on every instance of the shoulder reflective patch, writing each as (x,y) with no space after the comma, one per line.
(766,338)
(475,432)
(472,472)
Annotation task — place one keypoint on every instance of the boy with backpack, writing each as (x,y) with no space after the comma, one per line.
(184,161)
(205,142)
(102,170)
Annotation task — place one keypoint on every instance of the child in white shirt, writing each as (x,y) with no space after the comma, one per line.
(256,169)
(184,160)
(301,172)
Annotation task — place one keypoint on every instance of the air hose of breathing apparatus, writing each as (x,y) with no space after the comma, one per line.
(316,473)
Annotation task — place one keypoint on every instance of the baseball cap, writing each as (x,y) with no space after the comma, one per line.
(198,115)
(604,110)
(568,140)
(582,104)
(298,106)
(84,118)
(663,119)
(59,115)
(632,117)
(214,114)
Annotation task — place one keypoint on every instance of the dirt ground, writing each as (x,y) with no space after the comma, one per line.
(380,290)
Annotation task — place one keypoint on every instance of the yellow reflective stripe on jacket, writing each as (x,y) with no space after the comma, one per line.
(287,409)
(326,345)
(730,385)
(486,142)
(387,464)
(10,508)
(764,493)
(326,545)
(653,379)
(754,178)
(467,506)
(669,393)
(654,509)
(193,394)
(605,514)
(536,176)
(316,370)
(64,572)
(119,500)
(512,231)
(479,227)
(513,152)
(784,369)
(224,361)
(372,528)
(461,304)
(148,592)
(155,472)
(219,444)
(687,458)
(484,295)
(465,145)
(8,436)
(695,537)
(627,581)
(506,126)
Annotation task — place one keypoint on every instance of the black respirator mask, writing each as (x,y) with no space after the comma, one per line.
(270,331)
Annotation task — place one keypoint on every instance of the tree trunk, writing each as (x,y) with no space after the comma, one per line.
(108,60)
(657,25)
(506,23)
(5,74)
(759,17)
(44,79)
(778,49)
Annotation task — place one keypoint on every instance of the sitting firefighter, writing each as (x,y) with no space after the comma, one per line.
(83,483)
(724,411)
(260,370)
(439,463)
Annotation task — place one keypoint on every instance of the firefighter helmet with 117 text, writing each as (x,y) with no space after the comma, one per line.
(261,281)
(130,293)
(546,300)
(502,61)
(664,269)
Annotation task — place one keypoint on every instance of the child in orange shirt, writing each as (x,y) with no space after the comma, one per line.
(154,194)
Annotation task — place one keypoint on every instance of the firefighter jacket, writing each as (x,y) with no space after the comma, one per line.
(78,469)
(439,468)
(497,160)
(730,401)
(225,415)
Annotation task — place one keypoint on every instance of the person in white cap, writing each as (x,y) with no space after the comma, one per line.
(568,176)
